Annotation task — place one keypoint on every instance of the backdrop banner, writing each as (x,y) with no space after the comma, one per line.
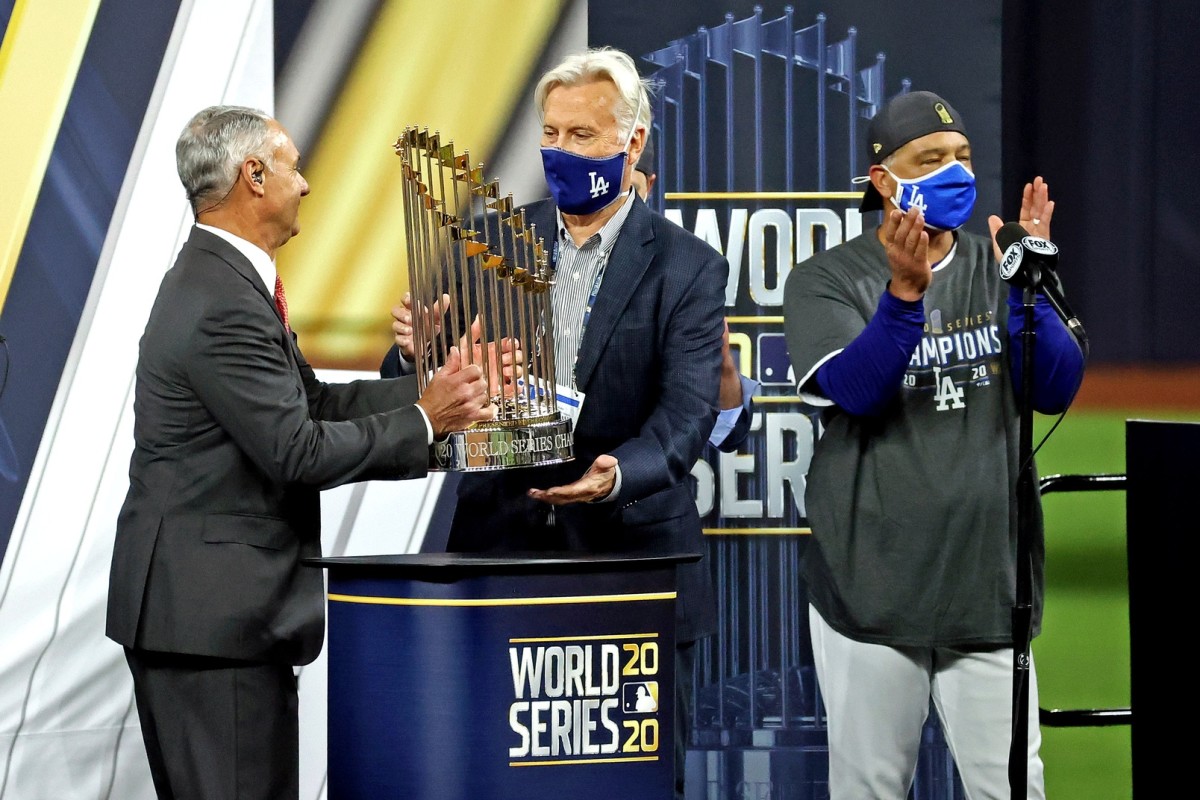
(760,118)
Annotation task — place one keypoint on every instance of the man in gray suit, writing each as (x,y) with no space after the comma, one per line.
(234,439)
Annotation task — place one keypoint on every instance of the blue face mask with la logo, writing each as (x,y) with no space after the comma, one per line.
(581,184)
(945,196)
(584,184)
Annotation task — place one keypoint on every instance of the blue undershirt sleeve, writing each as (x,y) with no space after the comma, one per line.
(864,377)
(1057,358)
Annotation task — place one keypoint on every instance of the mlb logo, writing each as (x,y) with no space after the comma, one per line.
(774,364)
(640,698)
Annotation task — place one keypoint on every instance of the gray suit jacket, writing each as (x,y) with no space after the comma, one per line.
(234,437)
(649,364)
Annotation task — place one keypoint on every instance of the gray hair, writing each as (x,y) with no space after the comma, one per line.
(603,63)
(212,147)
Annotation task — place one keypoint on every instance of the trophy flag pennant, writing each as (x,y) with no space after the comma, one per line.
(488,190)
(474,176)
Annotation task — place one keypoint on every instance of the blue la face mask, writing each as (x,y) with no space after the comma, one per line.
(945,196)
(584,184)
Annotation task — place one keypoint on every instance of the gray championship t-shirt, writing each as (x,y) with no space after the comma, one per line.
(913,511)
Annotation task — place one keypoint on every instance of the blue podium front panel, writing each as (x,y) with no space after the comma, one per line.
(502,686)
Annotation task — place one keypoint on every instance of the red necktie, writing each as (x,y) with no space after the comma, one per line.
(281,302)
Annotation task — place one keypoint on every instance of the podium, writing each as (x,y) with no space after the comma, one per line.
(1163,471)
(456,676)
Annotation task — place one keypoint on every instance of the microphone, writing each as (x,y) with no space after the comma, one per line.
(1025,254)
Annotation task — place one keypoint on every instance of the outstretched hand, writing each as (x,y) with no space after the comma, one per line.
(596,484)
(503,360)
(907,245)
(402,324)
(456,397)
(1037,209)
(730,393)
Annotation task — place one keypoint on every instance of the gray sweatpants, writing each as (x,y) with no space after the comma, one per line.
(877,699)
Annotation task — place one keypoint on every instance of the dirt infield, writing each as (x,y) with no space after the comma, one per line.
(1143,387)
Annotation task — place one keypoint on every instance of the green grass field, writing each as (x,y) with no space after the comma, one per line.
(1082,656)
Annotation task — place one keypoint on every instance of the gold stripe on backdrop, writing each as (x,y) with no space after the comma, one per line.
(461,67)
(39,60)
(583,599)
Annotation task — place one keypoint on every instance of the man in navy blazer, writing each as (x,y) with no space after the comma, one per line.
(639,314)
(234,437)
(737,390)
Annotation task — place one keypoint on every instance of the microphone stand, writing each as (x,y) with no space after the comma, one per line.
(1022,613)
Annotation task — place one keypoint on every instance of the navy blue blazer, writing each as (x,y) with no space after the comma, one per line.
(649,364)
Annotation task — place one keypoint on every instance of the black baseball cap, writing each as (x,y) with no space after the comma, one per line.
(904,118)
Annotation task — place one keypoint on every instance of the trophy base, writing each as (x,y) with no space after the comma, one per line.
(494,446)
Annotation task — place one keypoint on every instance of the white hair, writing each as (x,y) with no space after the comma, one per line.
(212,147)
(603,63)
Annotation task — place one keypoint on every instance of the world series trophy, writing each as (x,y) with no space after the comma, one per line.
(499,275)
